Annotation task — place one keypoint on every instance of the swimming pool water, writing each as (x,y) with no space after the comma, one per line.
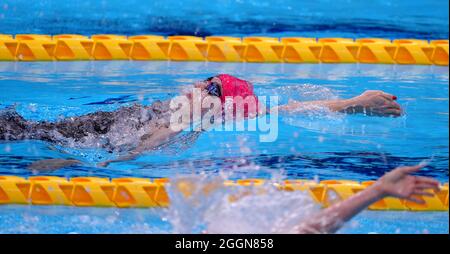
(324,146)
(77,220)
(321,146)
(329,145)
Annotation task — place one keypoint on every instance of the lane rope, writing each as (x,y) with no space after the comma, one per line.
(143,192)
(73,47)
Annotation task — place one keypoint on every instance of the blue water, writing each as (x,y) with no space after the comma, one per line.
(330,146)
(319,146)
(315,18)
(71,220)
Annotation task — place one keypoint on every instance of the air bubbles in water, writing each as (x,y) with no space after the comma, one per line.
(304,92)
(32,107)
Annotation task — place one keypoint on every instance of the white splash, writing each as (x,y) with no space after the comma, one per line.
(204,204)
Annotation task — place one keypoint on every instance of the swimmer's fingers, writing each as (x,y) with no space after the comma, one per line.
(387,111)
(423,187)
(415,200)
(423,179)
(427,183)
(392,104)
(388,96)
(423,193)
(410,169)
(404,171)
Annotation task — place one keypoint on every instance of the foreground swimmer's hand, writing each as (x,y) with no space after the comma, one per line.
(400,184)
(397,183)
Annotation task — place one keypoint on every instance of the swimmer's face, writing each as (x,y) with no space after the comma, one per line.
(207,89)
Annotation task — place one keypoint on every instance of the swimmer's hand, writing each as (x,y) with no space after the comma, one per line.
(373,103)
(400,183)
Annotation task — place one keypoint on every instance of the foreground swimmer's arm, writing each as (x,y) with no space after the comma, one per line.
(398,183)
(372,103)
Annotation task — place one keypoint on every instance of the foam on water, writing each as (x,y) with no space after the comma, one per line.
(299,92)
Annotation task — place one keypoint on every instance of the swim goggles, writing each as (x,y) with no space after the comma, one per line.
(213,88)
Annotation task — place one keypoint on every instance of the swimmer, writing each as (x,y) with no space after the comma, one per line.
(136,129)
(398,183)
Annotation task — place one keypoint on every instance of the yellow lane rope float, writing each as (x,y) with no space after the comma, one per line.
(72,47)
(142,192)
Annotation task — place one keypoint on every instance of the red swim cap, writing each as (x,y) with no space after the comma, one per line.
(234,87)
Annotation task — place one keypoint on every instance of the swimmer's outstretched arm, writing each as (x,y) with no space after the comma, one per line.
(373,103)
(397,183)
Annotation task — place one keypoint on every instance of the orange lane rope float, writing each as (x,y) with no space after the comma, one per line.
(73,47)
(142,192)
